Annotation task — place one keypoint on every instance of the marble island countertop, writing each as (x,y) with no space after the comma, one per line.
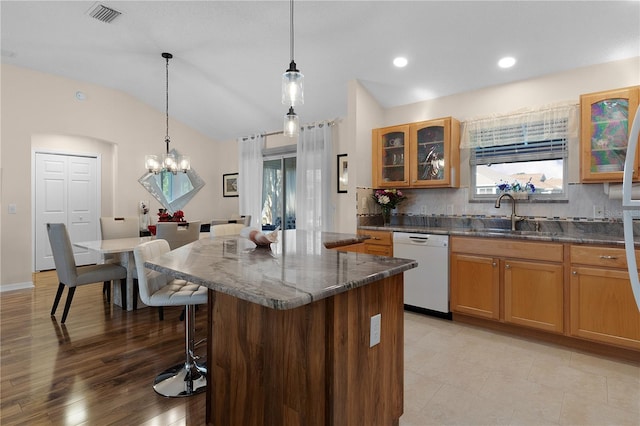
(296,270)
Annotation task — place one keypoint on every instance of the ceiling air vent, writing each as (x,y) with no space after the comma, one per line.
(103,13)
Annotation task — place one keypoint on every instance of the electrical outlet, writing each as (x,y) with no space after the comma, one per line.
(423,209)
(374,336)
(598,211)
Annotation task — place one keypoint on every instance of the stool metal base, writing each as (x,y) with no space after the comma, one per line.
(181,380)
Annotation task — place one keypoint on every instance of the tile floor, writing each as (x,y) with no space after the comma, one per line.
(457,374)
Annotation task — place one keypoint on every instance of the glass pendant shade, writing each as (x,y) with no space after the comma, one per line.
(169,163)
(152,163)
(184,164)
(292,86)
(291,124)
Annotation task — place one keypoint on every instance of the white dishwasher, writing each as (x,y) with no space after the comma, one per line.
(426,288)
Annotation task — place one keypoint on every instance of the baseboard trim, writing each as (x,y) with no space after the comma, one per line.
(597,348)
(16,286)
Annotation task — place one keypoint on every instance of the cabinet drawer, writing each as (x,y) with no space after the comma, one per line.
(611,257)
(383,238)
(504,247)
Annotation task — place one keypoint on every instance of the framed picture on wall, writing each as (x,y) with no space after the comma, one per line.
(343,175)
(230,185)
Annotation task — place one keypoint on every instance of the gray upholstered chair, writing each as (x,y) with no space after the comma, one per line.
(71,275)
(225,229)
(157,289)
(178,234)
(119,227)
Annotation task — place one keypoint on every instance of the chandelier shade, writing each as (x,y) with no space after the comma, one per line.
(169,161)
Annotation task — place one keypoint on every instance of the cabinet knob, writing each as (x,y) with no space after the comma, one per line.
(507,266)
(574,272)
(494,264)
(608,257)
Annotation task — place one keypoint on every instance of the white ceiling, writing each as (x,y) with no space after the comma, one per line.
(229,55)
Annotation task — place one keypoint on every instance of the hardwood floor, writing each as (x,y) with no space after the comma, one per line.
(96,369)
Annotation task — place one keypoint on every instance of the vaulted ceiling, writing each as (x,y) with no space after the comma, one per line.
(229,56)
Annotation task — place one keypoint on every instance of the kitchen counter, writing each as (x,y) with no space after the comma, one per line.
(292,337)
(560,236)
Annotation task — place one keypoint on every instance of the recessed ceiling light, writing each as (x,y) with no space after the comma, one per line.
(507,62)
(400,62)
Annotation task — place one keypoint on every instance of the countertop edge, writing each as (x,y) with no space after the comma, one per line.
(558,237)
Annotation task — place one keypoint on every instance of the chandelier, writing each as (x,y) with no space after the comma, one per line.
(169,161)
(292,89)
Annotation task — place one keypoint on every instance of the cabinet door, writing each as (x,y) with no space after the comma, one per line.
(533,294)
(434,153)
(603,307)
(390,154)
(605,123)
(475,285)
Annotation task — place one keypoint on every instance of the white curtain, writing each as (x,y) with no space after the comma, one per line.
(250,177)
(558,121)
(314,211)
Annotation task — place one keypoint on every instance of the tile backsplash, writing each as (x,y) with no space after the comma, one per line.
(585,202)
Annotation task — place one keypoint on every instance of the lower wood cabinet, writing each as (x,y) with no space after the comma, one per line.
(533,294)
(380,243)
(512,281)
(475,285)
(602,306)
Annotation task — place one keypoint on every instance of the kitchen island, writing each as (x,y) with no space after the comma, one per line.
(290,340)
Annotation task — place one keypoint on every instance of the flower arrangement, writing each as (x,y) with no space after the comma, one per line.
(165,216)
(516,186)
(388,198)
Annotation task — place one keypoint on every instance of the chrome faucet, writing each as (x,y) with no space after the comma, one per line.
(514,218)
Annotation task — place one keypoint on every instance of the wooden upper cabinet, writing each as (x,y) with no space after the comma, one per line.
(417,155)
(605,119)
(435,154)
(390,154)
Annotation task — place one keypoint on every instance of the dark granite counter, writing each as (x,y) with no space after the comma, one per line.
(562,231)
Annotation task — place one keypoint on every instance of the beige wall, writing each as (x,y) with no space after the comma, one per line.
(41,111)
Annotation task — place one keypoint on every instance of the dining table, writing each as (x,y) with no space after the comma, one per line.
(123,248)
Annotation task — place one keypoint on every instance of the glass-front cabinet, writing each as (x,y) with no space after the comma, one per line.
(390,156)
(435,153)
(605,123)
(417,155)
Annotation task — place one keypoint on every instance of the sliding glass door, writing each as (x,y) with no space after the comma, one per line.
(279,193)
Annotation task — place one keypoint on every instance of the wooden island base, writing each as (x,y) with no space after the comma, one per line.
(310,365)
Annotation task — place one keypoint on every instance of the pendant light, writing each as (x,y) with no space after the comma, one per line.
(169,162)
(292,88)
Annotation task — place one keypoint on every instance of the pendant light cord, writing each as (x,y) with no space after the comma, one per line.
(166,138)
(291,30)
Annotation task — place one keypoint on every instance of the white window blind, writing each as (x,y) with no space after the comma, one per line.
(534,125)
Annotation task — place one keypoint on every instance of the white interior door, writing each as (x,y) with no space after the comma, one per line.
(66,191)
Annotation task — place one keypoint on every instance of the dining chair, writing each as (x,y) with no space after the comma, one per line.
(225,229)
(71,275)
(158,289)
(119,227)
(178,234)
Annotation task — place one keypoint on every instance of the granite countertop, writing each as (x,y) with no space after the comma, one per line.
(297,270)
(575,236)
